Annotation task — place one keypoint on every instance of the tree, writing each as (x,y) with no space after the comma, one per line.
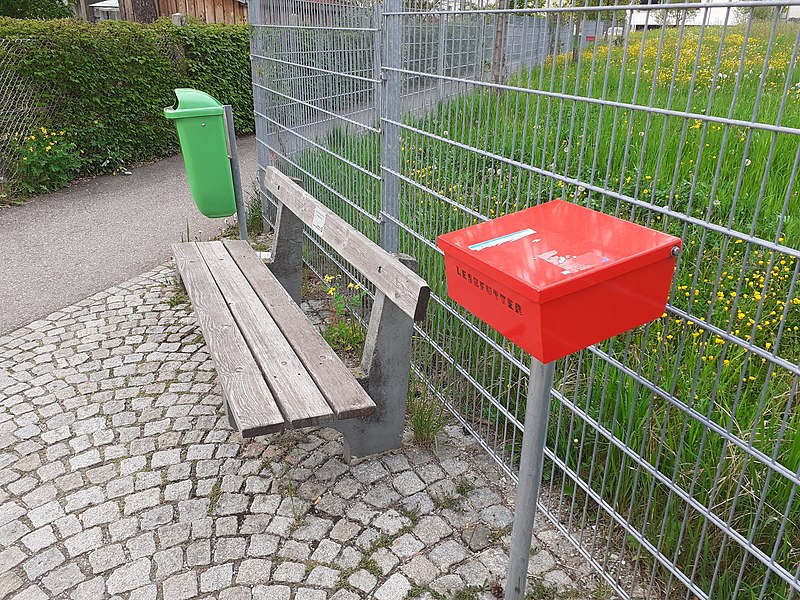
(36,9)
(760,13)
(671,17)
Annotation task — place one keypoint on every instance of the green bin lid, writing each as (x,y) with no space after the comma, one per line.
(193,103)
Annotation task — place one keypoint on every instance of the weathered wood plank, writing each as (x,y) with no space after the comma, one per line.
(403,287)
(344,394)
(296,393)
(249,399)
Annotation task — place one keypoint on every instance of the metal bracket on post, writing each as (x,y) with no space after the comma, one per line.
(233,156)
(534,436)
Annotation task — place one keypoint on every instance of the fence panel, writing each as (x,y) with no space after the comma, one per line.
(673,458)
(22,109)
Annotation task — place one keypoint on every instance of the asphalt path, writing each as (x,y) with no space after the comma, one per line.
(62,247)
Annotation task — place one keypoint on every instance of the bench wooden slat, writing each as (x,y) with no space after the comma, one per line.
(249,399)
(401,285)
(344,394)
(297,395)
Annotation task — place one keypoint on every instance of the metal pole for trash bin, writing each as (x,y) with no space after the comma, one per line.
(233,155)
(537,412)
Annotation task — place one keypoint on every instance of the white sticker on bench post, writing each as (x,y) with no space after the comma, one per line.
(318,224)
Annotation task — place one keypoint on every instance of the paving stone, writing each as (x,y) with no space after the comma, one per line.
(45,514)
(83,542)
(431,529)
(33,592)
(236,593)
(142,545)
(447,584)
(216,578)
(229,549)
(9,583)
(363,580)
(406,546)
(323,577)
(129,577)
(344,595)
(180,587)
(290,572)
(39,539)
(101,514)
(198,553)
(368,472)
(540,562)
(263,545)
(168,562)
(93,589)
(408,483)
(172,535)
(420,570)
(395,588)
(68,525)
(146,592)
(12,531)
(345,530)
(62,579)
(253,571)
(42,563)
(161,515)
(272,592)
(385,560)
(309,594)
(326,551)
(473,573)
(447,553)
(390,522)
(348,558)
(106,558)
(294,550)
(142,500)
(497,516)
(558,579)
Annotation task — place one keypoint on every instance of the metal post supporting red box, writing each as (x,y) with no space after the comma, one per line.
(558,277)
(554,279)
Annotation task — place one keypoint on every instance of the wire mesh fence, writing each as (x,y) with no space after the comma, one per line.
(21,108)
(673,456)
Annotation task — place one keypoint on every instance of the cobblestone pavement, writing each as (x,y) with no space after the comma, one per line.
(120,477)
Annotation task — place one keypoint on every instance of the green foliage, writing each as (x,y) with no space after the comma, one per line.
(426,415)
(46,161)
(36,9)
(345,333)
(108,83)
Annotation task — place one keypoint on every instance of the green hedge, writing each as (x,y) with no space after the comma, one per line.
(106,84)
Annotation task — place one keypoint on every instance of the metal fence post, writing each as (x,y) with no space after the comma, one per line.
(256,17)
(377,100)
(392,28)
(537,411)
(440,58)
(233,156)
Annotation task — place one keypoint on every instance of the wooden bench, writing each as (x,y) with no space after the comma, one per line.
(275,369)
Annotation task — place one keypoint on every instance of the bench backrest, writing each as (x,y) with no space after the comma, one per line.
(400,284)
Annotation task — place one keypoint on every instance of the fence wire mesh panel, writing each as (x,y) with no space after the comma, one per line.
(21,108)
(673,458)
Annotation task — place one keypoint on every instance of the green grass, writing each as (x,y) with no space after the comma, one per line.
(689,166)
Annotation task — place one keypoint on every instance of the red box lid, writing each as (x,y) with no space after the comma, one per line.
(556,248)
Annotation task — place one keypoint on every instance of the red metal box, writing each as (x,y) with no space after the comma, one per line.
(558,277)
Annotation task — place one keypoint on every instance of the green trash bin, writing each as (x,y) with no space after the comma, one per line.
(200,121)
